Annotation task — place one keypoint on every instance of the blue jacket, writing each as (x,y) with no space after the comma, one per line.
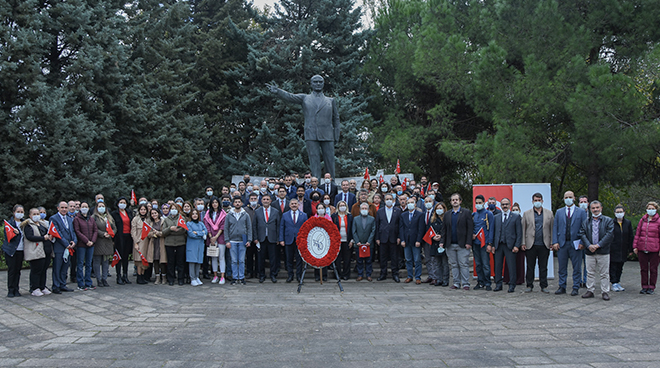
(195,242)
(483,219)
(578,216)
(289,230)
(10,247)
(68,235)
(411,232)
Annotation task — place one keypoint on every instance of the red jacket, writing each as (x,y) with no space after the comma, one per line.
(86,229)
(647,237)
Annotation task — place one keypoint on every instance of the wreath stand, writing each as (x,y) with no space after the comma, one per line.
(318,243)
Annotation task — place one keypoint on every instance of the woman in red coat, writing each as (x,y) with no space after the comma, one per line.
(647,247)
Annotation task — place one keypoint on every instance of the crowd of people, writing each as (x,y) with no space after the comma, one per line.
(230,236)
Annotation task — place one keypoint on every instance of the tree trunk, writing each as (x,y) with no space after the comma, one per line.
(593,180)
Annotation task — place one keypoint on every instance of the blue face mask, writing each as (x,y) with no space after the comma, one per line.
(491,206)
(225,203)
(43,215)
(399,192)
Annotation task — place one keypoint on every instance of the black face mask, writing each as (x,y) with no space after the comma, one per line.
(315,198)
(225,204)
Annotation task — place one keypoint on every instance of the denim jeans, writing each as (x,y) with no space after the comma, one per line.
(482,264)
(84,259)
(237,251)
(413,254)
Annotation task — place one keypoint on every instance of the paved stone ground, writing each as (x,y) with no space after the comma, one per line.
(378,324)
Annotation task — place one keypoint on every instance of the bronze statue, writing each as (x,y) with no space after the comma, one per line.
(321,124)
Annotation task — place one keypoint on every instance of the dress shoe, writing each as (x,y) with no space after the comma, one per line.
(434,283)
(56,291)
(120,280)
(381,277)
(466,288)
(66,289)
(261,280)
(545,291)
(325,278)
(512,288)
(359,278)
(396,278)
(181,282)
(289,279)
(445,284)
(428,279)
(498,288)
(242,281)
(488,288)
(606,296)
(273,279)
(575,292)
(171,283)
(478,287)
(528,290)
(126,280)
(408,280)
(369,279)
(10,294)
(418,281)
(561,290)
(650,291)
(588,294)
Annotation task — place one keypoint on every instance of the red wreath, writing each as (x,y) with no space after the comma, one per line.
(335,242)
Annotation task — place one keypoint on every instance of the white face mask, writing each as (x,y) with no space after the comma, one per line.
(516,212)
(174,212)
(412,187)
(432,196)
(308,180)
(388,202)
(619,215)
(428,205)
(143,202)
(479,207)
(262,190)
(342,209)
(411,206)
(19,216)
(248,189)
(439,211)
(84,210)
(326,202)
(200,207)
(232,190)
(538,204)
(101,210)
(36,218)
(364,212)
(652,212)
(384,189)
(584,206)
(209,193)
(321,212)
(180,204)
(271,186)
(253,204)
(122,206)
(568,201)
(327,181)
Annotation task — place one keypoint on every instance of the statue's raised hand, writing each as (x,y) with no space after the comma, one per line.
(272,87)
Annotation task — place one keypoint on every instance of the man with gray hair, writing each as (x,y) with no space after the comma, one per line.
(596,235)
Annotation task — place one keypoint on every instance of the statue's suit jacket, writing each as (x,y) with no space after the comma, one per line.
(321,115)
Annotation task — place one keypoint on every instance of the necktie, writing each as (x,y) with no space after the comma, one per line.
(569,212)
(345,199)
(568,225)
(282,205)
(66,223)
(504,217)
(411,215)
(294,216)
(266,211)
(428,215)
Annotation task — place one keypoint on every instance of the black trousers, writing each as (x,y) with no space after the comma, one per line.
(389,252)
(14,264)
(269,250)
(343,262)
(501,253)
(616,268)
(124,247)
(44,274)
(251,261)
(73,260)
(540,253)
(292,255)
(36,271)
(205,261)
(176,260)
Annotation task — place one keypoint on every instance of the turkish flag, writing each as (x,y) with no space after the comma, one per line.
(52,230)
(381,180)
(181,223)
(115,259)
(430,233)
(481,236)
(145,263)
(133,197)
(108,228)
(145,230)
(366,173)
(365,251)
(9,231)
(404,185)
(71,251)
(398,167)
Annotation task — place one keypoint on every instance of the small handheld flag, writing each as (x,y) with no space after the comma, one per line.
(398,167)
(430,233)
(52,230)
(145,230)
(366,173)
(181,223)
(115,258)
(108,228)
(9,231)
(145,263)
(133,197)
(481,236)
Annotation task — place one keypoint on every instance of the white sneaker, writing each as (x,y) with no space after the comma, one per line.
(215,280)
(621,288)
(37,292)
(45,291)
(193,282)
(199,282)
(222,281)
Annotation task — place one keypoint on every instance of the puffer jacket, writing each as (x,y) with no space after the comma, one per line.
(647,237)
(86,230)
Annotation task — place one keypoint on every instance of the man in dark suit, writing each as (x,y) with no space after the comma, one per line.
(281,203)
(411,224)
(266,227)
(506,241)
(537,225)
(457,231)
(364,229)
(251,253)
(566,241)
(64,226)
(345,195)
(290,225)
(290,187)
(597,233)
(330,188)
(387,237)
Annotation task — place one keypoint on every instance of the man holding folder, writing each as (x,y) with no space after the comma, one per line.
(566,241)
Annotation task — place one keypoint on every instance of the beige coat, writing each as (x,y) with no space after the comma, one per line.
(32,250)
(529,228)
(136,234)
(150,240)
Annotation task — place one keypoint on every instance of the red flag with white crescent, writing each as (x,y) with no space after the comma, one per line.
(145,263)
(108,228)
(181,223)
(428,237)
(404,184)
(145,230)
(52,230)
(9,231)
(366,173)
(481,236)
(398,167)
(115,259)
(381,180)
(133,197)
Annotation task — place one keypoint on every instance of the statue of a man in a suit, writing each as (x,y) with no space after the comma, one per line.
(321,124)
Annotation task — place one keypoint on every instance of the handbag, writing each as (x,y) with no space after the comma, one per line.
(212,251)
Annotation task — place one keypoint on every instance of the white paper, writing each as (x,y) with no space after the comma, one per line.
(576,243)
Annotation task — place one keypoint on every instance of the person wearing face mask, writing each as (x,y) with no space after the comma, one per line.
(73,258)
(492,206)
(411,231)
(214,220)
(307,181)
(321,212)
(507,239)
(329,187)
(583,203)
(483,220)
(364,230)
(175,246)
(123,239)
(251,253)
(345,195)
(457,240)
(383,188)
(314,187)
(437,254)
(238,236)
(38,250)
(86,232)
(13,250)
(290,225)
(156,253)
(597,233)
(179,202)
(621,246)
(197,235)
(209,194)
(344,220)
(387,237)
(647,247)
(537,224)
(428,215)
(327,201)
(310,206)
(520,256)
(266,227)
(103,249)
(139,244)
(421,204)
(566,241)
